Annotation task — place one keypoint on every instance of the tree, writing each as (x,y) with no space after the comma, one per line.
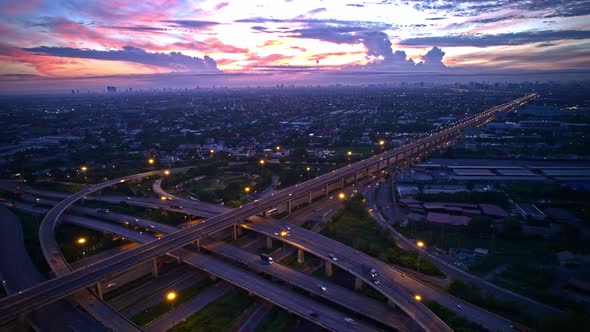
(511,229)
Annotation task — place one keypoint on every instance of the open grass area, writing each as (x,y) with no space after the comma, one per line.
(532,263)
(30,225)
(220,315)
(65,187)
(354,227)
(163,307)
(144,279)
(276,320)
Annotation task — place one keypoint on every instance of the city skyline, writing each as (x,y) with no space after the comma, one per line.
(204,43)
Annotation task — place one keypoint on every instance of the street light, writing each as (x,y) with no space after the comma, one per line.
(420,245)
(212,152)
(278,148)
(417,297)
(341,196)
(81,241)
(262,166)
(83,168)
(166,172)
(308,169)
(349,154)
(170,297)
(151,161)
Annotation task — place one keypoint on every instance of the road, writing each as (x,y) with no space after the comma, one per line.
(384,200)
(18,272)
(294,302)
(60,287)
(342,296)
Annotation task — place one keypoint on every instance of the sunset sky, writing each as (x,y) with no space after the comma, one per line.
(80,39)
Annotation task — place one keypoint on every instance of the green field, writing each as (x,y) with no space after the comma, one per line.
(163,307)
(354,227)
(220,315)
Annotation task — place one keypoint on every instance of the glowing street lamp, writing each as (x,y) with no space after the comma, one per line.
(261,165)
(211,152)
(83,168)
(278,148)
(82,241)
(151,161)
(166,172)
(420,245)
(171,296)
(341,196)
(349,154)
(417,297)
(247,190)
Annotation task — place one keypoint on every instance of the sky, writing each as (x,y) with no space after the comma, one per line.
(88,43)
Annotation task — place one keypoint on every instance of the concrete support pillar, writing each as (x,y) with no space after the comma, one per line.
(235,232)
(212,277)
(155,267)
(309,197)
(268,242)
(356,178)
(289,206)
(342,183)
(300,256)
(99,291)
(198,244)
(326,190)
(358,283)
(329,269)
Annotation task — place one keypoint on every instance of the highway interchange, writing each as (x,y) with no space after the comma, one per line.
(73,281)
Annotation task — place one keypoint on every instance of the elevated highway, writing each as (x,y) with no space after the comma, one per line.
(68,284)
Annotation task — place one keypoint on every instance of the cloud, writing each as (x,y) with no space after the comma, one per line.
(191,23)
(221,5)
(516,38)
(173,60)
(433,58)
(464,8)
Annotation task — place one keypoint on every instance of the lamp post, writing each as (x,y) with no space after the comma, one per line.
(262,166)
(308,169)
(247,191)
(171,296)
(82,241)
(420,245)
(349,154)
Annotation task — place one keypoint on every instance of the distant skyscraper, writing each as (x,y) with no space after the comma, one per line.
(111,89)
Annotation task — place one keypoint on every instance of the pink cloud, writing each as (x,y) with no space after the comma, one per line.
(221,5)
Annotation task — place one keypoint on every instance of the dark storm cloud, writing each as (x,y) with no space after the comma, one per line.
(173,60)
(517,38)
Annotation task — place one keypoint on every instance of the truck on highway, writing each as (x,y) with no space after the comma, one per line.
(266,259)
